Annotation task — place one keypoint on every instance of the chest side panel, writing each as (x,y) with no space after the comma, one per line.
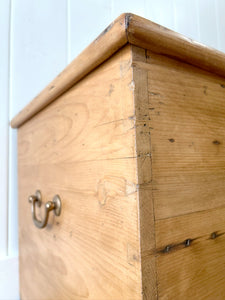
(186,111)
(82,147)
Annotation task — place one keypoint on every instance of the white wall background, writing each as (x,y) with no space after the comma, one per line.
(38,39)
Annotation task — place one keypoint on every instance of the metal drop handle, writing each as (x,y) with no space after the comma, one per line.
(54,205)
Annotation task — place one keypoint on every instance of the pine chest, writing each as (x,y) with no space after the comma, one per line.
(129,138)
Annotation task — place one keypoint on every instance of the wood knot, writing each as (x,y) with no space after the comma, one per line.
(172,140)
(216,142)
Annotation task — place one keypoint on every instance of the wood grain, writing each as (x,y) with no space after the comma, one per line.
(106,44)
(180,126)
(136,151)
(161,40)
(144,165)
(187,110)
(193,270)
(83,147)
(127,28)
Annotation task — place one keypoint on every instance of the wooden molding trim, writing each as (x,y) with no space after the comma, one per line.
(127,28)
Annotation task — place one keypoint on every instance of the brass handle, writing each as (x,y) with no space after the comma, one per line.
(54,205)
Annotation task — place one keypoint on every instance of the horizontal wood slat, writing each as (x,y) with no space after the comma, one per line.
(191,257)
(187,111)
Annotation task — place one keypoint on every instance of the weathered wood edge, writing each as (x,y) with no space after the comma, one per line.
(161,40)
(105,45)
(127,28)
(146,216)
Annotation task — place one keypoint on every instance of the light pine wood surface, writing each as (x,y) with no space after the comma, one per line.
(179,124)
(184,112)
(135,149)
(135,30)
(92,250)
(144,165)
(193,267)
(187,111)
